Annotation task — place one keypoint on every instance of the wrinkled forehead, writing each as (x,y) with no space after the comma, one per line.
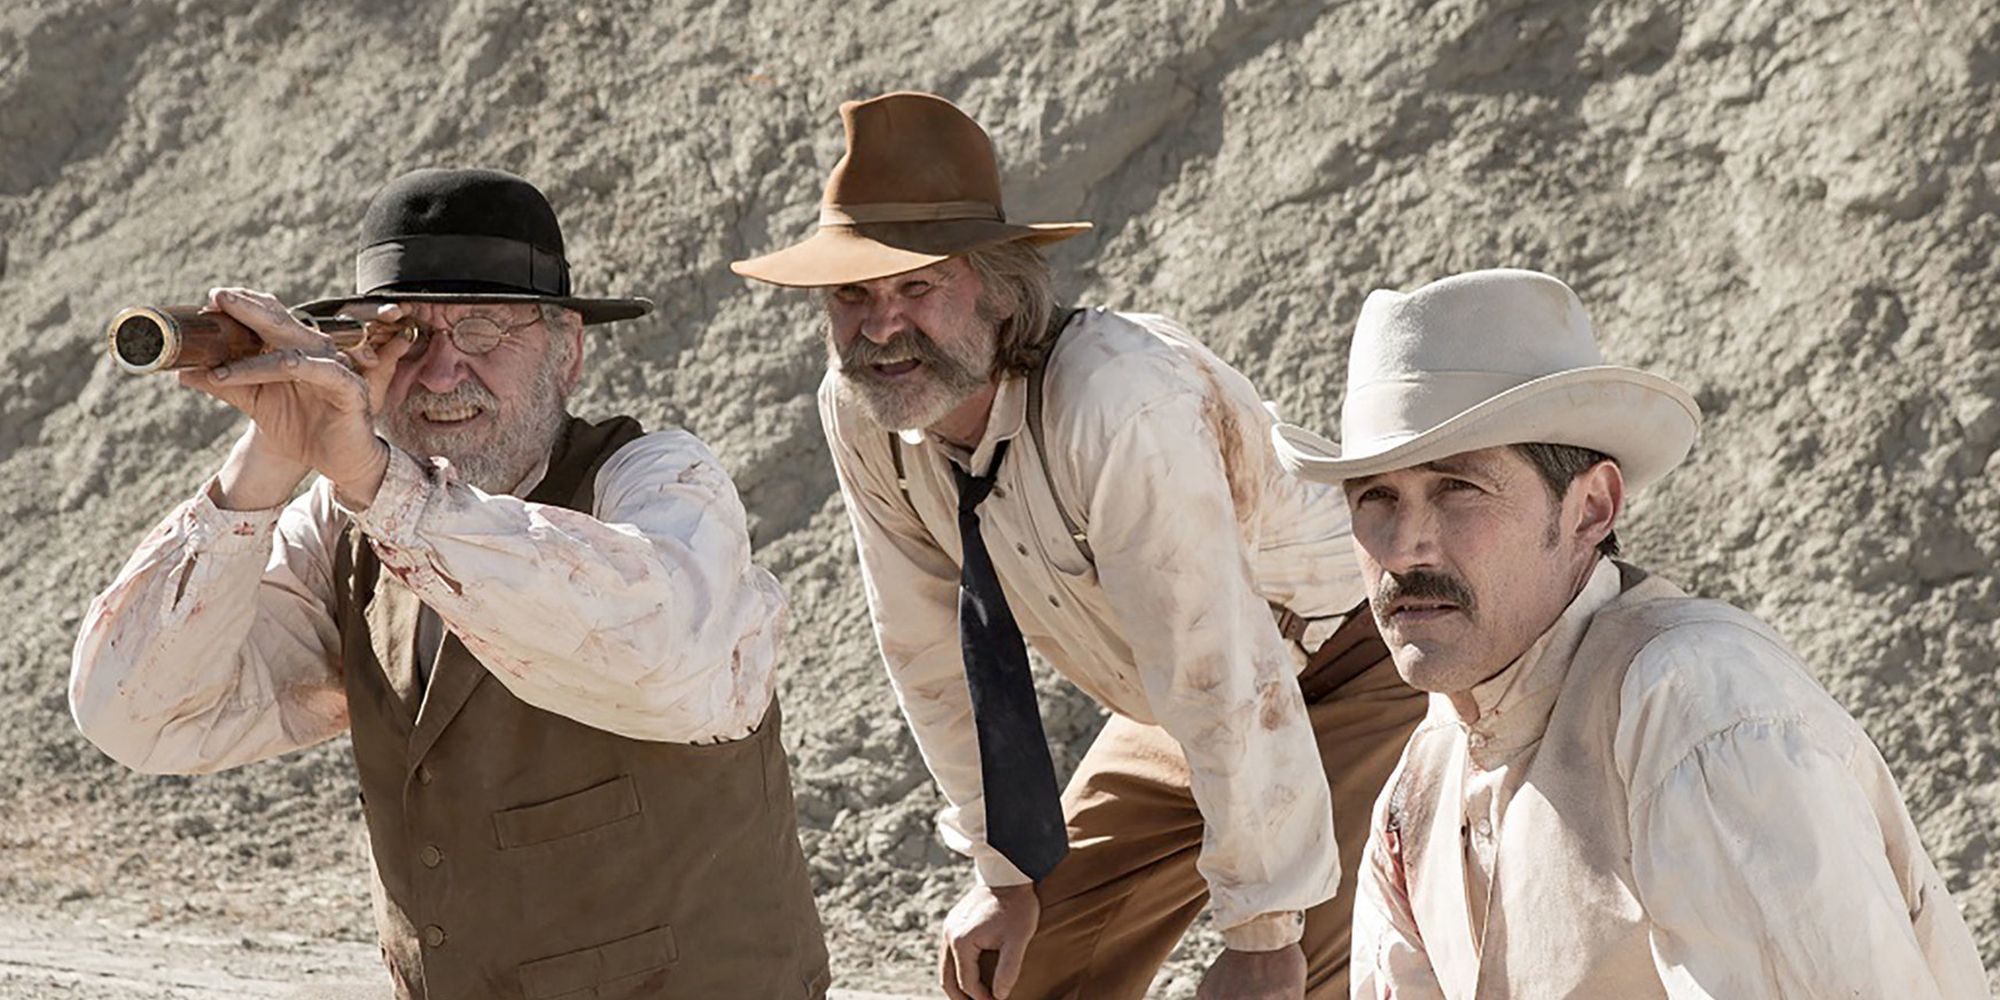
(507,314)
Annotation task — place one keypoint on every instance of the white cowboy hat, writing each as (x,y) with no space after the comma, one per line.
(1485,359)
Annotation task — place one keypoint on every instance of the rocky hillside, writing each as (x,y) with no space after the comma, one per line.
(1790,207)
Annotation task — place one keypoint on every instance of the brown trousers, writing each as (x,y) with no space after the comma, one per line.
(1119,902)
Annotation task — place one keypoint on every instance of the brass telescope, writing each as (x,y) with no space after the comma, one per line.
(158,338)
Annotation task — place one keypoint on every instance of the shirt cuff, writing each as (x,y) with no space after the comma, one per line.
(226,532)
(399,504)
(1266,932)
(996,872)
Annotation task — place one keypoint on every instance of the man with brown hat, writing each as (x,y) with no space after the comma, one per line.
(1096,483)
(1620,790)
(545,636)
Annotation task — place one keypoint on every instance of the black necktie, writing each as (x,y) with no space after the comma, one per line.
(1024,819)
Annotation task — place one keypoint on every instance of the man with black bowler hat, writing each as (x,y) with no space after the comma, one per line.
(545,635)
(1097,484)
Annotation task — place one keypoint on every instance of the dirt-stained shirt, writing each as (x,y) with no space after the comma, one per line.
(1159,451)
(216,644)
(1699,821)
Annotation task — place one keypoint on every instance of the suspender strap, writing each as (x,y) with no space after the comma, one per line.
(1035,379)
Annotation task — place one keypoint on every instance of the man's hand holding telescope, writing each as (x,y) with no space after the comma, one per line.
(311,405)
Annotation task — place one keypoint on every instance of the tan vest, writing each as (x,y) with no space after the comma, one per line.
(521,854)
(1590,938)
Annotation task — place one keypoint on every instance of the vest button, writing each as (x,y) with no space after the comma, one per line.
(423,775)
(430,856)
(434,936)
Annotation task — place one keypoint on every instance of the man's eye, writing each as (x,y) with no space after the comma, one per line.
(849,294)
(916,289)
(1460,485)
(1371,493)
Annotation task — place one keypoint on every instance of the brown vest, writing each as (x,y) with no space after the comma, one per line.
(521,854)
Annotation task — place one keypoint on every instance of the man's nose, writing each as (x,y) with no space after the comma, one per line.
(882,321)
(442,367)
(1407,539)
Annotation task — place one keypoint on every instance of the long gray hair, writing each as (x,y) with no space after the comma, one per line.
(1018,296)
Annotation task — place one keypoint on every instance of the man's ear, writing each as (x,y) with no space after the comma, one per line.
(1596,497)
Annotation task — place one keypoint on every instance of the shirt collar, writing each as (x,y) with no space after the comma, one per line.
(1513,704)
(531,480)
(1009,416)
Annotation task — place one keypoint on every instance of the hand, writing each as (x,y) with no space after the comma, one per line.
(988,919)
(1255,975)
(310,407)
(391,334)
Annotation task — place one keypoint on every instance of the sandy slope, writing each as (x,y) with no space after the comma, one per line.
(1789,207)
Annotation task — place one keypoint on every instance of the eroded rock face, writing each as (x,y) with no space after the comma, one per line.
(1791,208)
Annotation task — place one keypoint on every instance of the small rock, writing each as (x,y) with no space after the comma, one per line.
(1899,191)
(192,826)
(1979,417)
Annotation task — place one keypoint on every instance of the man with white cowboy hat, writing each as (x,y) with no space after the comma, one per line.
(1620,790)
(1098,484)
(524,620)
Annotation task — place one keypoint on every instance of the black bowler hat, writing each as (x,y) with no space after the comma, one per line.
(466,236)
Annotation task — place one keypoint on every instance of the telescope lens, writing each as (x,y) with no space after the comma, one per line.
(140,342)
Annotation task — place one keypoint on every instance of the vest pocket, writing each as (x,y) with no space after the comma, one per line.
(598,805)
(595,972)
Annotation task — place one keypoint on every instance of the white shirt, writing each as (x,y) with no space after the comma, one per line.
(1758,833)
(1161,452)
(216,644)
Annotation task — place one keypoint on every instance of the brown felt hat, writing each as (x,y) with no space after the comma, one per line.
(918,184)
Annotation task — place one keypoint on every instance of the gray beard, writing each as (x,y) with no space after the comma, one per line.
(897,410)
(496,459)
(495,470)
(948,381)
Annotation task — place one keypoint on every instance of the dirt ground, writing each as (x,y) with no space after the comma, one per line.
(53,957)
(1789,207)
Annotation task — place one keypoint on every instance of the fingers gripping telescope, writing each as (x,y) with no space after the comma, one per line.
(147,339)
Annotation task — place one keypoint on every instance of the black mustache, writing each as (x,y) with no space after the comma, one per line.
(1421,585)
(862,352)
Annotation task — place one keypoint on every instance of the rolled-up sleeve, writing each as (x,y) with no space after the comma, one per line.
(912,587)
(645,617)
(214,646)
(1172,561)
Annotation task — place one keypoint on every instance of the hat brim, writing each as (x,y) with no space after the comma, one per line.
(1645,422)
(845,254)
(592,310)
